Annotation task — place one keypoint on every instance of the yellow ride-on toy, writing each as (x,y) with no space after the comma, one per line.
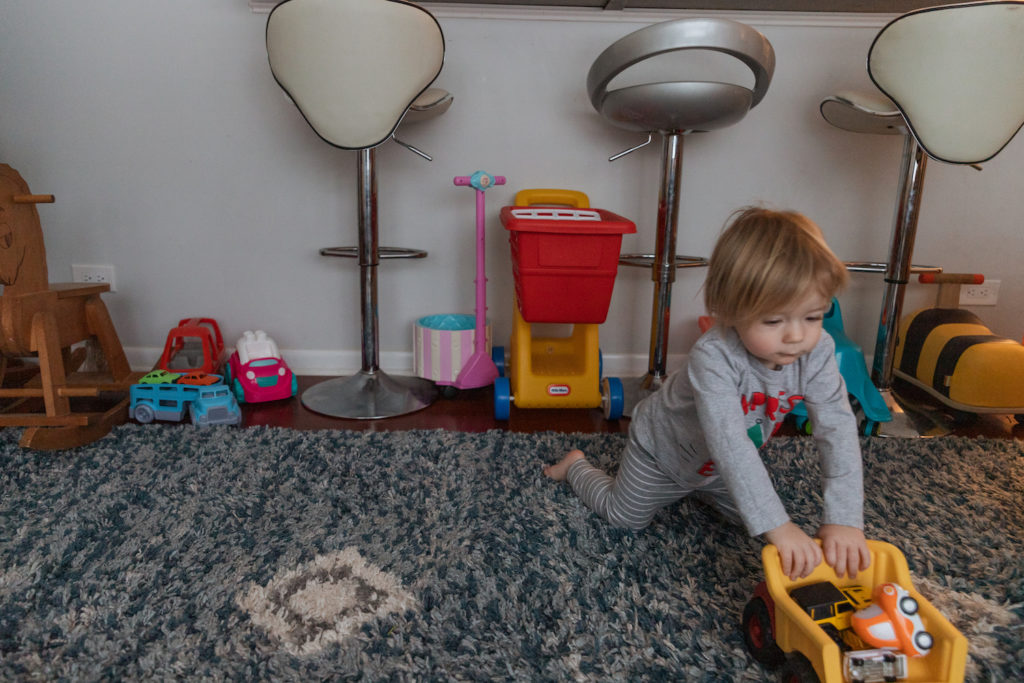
(950,354)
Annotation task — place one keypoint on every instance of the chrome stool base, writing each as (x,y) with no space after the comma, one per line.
(369,395)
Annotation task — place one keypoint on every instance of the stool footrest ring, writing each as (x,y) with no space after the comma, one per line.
(382,252)
(647,260)
(880,267)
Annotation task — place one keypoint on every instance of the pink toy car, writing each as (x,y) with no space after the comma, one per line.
(256,372)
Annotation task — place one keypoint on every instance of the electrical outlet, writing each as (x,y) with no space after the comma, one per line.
(94,275)
(985,294)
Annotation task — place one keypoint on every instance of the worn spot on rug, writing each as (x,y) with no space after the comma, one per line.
(324,601)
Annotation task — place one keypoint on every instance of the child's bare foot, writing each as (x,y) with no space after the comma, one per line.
(559,470)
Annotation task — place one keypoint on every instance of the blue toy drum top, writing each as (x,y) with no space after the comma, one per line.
(448,321)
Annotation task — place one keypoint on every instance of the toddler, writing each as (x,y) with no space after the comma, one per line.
(770,281)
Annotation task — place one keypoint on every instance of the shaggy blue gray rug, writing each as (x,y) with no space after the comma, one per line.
(268,554)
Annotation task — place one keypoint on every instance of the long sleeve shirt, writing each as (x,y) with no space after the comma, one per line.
(710,419)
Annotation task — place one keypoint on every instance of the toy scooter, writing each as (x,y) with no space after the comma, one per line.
(442,340)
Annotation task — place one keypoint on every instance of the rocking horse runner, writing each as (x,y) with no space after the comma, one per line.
(45,320)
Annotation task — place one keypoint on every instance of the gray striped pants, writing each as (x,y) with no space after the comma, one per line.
(639,490)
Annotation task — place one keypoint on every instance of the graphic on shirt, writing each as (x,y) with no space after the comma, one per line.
(756,434)
(775,410)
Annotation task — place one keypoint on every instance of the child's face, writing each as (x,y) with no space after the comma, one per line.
(780,338)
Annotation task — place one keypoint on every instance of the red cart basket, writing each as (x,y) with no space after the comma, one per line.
(564,261)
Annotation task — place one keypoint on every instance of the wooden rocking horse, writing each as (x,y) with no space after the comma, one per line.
(43,320)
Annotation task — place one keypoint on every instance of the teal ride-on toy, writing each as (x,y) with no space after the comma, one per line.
(853,368)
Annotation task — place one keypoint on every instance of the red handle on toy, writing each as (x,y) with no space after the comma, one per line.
(32,199)
(958,278)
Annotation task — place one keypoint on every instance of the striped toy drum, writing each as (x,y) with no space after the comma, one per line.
(442,344)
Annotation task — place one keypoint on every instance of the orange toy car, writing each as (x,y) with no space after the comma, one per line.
(892,620)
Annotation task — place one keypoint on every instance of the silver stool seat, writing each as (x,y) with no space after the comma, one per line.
(673,109)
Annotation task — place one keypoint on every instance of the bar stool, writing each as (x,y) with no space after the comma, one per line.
(355,69)
(674,109)
(953,79)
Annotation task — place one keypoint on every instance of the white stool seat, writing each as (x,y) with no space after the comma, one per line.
(952,83)
(956,72)
(356,69)
(861,112)
(431,103)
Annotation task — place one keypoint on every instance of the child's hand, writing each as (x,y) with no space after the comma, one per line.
(845,549)
(798,551)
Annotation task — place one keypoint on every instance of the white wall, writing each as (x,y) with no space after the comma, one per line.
(176,158)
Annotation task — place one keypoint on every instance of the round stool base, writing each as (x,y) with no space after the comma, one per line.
(369,395)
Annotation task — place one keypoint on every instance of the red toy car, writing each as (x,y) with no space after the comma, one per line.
(195,344)
(256,372)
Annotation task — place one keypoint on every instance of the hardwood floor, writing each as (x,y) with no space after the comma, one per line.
(473,411)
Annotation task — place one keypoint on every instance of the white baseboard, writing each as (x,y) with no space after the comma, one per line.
(337,363)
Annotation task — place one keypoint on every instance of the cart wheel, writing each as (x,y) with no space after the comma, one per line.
(612,398)
(502,398)
(798,669)
(498,356)
(144,413)
(449,391)
(758,635)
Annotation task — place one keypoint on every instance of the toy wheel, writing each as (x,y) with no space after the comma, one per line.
(798,669)
(613,398)
(924,641)
(908,605)
(1020,418)
(449,391)
(295,385)
(144,414)
(502,398)
(758,635)
(239,392)
(498,356)
(869,428)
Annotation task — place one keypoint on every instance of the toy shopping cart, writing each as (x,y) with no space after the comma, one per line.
(564,260)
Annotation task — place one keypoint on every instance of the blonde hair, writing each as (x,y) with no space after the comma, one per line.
(765,261)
